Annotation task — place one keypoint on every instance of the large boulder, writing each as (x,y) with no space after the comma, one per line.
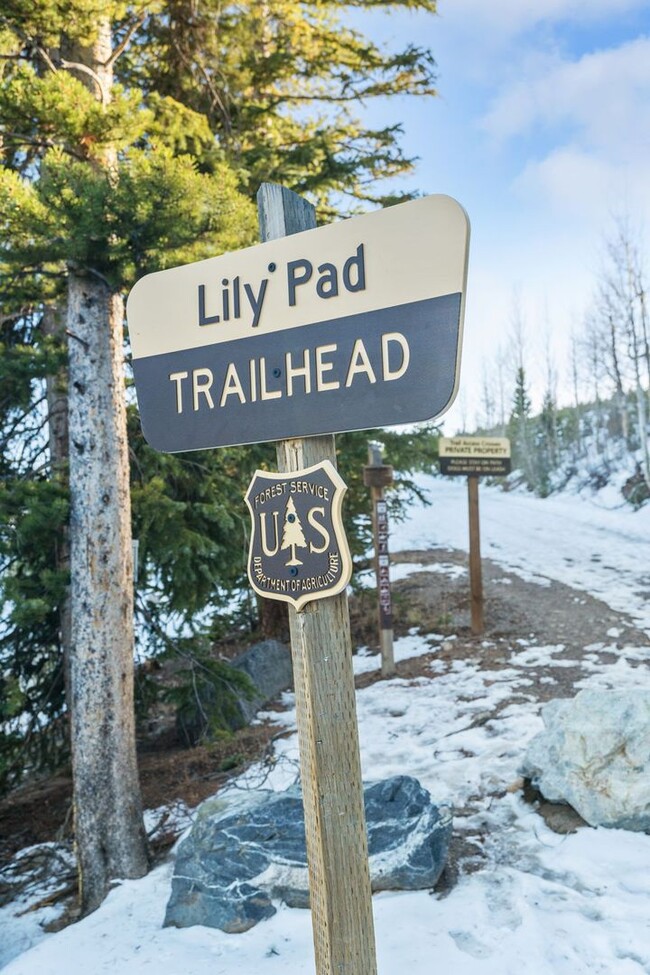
(267,664)
(594,754)
(235,862)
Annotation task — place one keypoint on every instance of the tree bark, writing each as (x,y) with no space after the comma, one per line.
(274,619)
(53,324)
(619,394)
(109,829)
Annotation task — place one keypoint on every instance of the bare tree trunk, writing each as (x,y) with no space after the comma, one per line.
(619,394)
(274,619)
(487,401)
(642,419)
(551,399)
(640,397)
(576,449)
(645,335)
(594,357)
(53,325)
(643,311)
(635,329)
(109,830)
(501,387)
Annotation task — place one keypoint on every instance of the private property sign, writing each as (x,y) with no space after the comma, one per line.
(350,326)
(474,455)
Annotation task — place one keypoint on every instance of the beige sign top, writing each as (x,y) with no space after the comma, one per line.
(409,252)
(475,447)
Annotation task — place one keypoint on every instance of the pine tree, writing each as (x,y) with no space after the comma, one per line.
(278,81)
(169,154)
(520,428)
(97,201)
(546,444)
(293,536)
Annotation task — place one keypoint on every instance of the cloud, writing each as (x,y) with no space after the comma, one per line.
(583,128)
(575,183)
(547,124)
(603,96)
(570,178)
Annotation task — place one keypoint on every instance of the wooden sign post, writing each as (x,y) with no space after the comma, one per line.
(353,326)
(337,853)
(475,572)
(474,457)
(377,476)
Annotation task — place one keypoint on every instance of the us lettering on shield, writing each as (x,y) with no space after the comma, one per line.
(298,549)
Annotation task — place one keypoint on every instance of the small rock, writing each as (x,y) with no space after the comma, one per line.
(516,785)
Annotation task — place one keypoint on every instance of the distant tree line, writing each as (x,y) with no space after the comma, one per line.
(608,373)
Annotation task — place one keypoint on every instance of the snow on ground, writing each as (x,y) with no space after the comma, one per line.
(574,540)
(540,903)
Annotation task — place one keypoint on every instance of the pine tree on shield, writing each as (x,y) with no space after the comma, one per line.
(292,533)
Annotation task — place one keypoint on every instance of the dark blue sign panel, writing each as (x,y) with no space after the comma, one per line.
(373,369)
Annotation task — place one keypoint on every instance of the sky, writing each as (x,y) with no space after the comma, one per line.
(541,903)
(541,129)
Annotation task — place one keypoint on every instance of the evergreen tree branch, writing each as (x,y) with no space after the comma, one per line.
(9,435)
(126,40)
(79,68)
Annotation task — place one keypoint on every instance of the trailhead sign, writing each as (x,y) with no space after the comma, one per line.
(298,548)
(354,325)
(474,456)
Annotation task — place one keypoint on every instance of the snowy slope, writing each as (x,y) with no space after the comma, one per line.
(540,903)
(603,551)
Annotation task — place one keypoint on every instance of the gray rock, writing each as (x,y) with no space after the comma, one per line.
(236,862)
(594,754)
(268,664)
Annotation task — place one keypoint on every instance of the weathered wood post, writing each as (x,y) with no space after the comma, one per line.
(474,457)
(226,351)
(377,476)
(475,572)
(330,764)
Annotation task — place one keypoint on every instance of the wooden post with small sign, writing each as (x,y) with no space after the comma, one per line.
(475,572)
(377,476)
(337,852)
(474,457)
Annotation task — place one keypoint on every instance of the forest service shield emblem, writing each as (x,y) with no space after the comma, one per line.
(298,549)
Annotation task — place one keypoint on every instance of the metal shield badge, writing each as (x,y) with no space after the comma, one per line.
(298,549)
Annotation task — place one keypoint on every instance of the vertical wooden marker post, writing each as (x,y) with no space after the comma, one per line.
(337,851)
(377,476)
(475,574)
(474,457)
